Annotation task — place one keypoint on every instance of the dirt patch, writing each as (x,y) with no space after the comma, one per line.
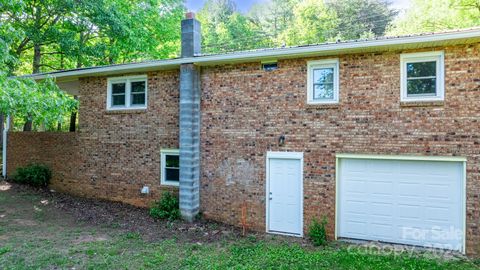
(25,222)
(4,186)
(90,238)
(107,214)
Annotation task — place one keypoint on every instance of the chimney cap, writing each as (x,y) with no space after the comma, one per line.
(190,15)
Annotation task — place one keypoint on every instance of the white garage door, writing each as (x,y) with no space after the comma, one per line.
(402,201)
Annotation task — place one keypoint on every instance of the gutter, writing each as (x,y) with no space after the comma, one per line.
(4,152)
(245,56)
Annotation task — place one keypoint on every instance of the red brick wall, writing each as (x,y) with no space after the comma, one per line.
(122,148)
(60,151)
(118,152)
(245,110)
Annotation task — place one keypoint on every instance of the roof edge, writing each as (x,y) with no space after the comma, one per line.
(333,48)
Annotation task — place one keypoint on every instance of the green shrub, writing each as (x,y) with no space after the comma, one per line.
(36,175)
(317,232)
(166,208)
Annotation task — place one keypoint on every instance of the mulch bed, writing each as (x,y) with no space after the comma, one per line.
(94,212)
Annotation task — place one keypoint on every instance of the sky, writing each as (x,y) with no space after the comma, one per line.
(244,5)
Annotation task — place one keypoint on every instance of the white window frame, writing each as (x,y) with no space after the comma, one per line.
(128,91)
(163,157)
(439,58)
(326,63)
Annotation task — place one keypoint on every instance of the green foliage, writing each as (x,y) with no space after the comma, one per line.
(36,175)
(4,250)
(274,17)
(64,34)
(361,18)
(133,235)
(317,232)
(437,15)
(42,102)
(225,29)
(42,36)
(313,23)
(291,22)
(166,208)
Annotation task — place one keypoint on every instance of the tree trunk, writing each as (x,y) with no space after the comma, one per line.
(73,122)
(73,119)
(28,125)
(37,57)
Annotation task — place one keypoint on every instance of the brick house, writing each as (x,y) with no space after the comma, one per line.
(379,136)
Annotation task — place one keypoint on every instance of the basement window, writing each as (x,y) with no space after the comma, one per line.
(170,167)
(323,82)
(126,93)
(422,76)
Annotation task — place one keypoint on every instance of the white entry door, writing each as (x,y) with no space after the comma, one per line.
(415,202)
(284,193)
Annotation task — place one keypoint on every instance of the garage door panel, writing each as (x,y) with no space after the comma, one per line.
(400,201)
(384,231)
(356,186)
(410,211)
(356,206)
(357,166)
(381,209)
(440,192)
(438,214)
(380,188)
(360,230)
(409,190)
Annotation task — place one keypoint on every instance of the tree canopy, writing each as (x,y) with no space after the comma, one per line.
(65,34)
(225,28)
(291,22)
(437,15)
(43,102)
(41,36)
(361,18)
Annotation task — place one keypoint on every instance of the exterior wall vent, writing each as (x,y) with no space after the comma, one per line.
(269,66)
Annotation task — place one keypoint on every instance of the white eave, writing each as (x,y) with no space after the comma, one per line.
(373,45)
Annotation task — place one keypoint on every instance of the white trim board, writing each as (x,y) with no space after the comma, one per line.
(319,64)
(283,155)
(127,80)
(439,58)
(4,144)
(402,157)
(163,155)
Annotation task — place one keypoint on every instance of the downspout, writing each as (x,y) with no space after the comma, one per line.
(4,145)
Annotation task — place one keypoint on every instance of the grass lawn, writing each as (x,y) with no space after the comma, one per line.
(35,234)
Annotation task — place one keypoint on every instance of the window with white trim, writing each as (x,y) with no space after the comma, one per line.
(170,167)
(127,93)
(422,76)
(323,82)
